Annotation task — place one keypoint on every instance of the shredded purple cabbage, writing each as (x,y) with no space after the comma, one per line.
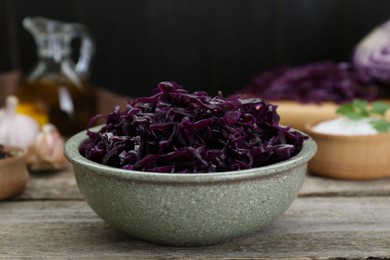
(313,83)
(174,131)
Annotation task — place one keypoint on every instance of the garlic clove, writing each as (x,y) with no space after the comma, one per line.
(16,129)
(49,147)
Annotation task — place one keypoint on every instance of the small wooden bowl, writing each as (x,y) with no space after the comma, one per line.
(13,174)
(297,115)
(358,157)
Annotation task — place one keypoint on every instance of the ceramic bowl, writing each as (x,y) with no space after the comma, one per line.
(188,209)
(355,157)
(13,174)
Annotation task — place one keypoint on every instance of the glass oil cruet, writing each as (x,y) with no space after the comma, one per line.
(57,89)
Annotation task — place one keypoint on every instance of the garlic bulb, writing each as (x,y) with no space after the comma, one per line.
(49,147)
(16,129)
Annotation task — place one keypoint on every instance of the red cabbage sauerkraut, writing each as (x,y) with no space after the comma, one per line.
(174,131)
(313,83)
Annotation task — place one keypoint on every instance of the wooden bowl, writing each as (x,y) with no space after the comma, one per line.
(297,115)
(13,174)
(358,157)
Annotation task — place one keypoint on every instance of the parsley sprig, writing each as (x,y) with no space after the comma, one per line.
(359,109)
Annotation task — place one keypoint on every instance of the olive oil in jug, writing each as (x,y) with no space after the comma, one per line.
(57,90)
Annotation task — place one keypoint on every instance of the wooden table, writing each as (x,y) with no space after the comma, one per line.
(329,219)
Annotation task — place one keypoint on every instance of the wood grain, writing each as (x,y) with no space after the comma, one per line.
(321,186)
(59,185)
(62,186)
(317,228)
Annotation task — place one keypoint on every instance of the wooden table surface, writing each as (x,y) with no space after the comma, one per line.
(329,219)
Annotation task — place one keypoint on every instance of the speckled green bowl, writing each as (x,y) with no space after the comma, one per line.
(189,209)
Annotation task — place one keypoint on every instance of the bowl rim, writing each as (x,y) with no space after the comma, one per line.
(22,154)
(71,152)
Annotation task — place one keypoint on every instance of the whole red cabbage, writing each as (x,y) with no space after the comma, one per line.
(175,131)
(371,56)
(313,83)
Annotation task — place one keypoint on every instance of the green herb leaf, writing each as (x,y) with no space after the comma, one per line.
(361,107)
(354,110)
(379,108)
(360,104)
(381,125)
(357,109)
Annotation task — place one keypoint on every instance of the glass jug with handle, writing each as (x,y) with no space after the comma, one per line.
(57,89)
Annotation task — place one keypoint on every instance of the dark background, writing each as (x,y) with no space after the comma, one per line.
(201,44)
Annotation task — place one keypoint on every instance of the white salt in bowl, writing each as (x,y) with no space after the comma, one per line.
(355,154)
